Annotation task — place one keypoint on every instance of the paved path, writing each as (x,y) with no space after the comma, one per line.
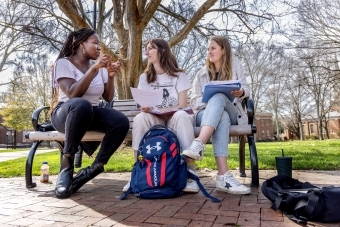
(96,204)
(5,156)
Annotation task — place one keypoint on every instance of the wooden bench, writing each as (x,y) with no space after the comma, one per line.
(125,106)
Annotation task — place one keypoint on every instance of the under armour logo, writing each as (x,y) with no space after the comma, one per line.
(158,147)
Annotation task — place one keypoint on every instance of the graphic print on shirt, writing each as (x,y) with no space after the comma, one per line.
(169,98)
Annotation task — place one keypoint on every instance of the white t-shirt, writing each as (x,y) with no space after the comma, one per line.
(64,68)
(171,86)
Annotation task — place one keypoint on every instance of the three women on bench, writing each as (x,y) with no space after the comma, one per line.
(82,75)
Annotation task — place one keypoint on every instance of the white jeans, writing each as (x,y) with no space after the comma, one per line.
(181,123)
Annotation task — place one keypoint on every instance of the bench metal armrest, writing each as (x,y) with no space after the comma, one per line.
(248,105)
(35,116)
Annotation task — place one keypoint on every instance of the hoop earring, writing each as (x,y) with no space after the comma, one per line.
(84,51)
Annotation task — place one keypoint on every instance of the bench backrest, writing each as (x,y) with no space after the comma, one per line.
(127,107)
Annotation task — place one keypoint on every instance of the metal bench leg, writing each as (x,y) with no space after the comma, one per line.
(60,145)
(29,165)
(253,162)
(78,157)
(241,152)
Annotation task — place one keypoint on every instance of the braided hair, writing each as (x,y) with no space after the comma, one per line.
(73,40)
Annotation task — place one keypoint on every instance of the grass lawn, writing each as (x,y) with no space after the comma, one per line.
(307,155)
(3,150)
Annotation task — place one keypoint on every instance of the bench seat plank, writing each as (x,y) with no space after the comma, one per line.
(235,130)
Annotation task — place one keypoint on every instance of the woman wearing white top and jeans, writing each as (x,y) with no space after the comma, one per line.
(162,72)
(216,116)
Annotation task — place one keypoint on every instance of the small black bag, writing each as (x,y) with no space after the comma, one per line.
(303,202)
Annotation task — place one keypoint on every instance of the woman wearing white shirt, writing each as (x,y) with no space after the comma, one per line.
(82,76)
(162,72)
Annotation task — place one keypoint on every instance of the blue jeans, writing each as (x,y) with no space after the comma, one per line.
(219,113)
(76,116)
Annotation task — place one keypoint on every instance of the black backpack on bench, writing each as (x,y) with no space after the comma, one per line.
(303,202)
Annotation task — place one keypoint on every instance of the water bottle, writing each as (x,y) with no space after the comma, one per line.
(45,172)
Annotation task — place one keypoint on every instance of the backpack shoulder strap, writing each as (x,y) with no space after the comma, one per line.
(125,194)
(195,178)
(305,207)
(278,199)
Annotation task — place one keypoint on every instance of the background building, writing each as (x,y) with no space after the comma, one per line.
(264,124)
(10,138)
(310,127)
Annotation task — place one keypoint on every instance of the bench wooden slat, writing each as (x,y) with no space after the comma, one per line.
(235,130)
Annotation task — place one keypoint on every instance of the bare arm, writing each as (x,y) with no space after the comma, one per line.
(73,88)
(109,91)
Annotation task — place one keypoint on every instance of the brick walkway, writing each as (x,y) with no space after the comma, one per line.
(96,204)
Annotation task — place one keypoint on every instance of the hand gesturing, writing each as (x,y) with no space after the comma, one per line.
(113,67)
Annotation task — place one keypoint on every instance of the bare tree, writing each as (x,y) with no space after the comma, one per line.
(124,26)
(319,82)
(12,39)
(320,22)
(29,89)
(260,61)
(296,100)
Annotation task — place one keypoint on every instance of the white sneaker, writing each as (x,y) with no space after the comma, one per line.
(191,184)
(228,183)
(195,151)
(126,187)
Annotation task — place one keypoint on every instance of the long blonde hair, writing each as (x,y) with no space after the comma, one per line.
(226,72)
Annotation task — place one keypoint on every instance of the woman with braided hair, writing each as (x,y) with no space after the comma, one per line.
(82,75)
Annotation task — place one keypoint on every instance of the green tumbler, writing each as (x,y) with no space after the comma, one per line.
(284,166)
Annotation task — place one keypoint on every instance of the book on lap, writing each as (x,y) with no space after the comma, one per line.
(171,111)
(224,87)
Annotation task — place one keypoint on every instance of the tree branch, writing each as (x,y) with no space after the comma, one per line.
(237,12)
(178,17)
(149,12)
(141,6)
(191,23)
(70,9)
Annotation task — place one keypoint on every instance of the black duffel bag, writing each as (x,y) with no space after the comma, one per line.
(303,202)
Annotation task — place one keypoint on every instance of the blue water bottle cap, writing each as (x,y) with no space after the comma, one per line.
(45,162)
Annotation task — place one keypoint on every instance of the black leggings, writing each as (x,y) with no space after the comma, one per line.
(76,116)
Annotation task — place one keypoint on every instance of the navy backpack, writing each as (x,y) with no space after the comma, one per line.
(160,171)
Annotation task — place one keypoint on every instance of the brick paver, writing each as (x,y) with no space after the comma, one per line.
(98,204)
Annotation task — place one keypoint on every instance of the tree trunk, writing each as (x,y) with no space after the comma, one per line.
(277,126)
(130,19)
(15,139)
